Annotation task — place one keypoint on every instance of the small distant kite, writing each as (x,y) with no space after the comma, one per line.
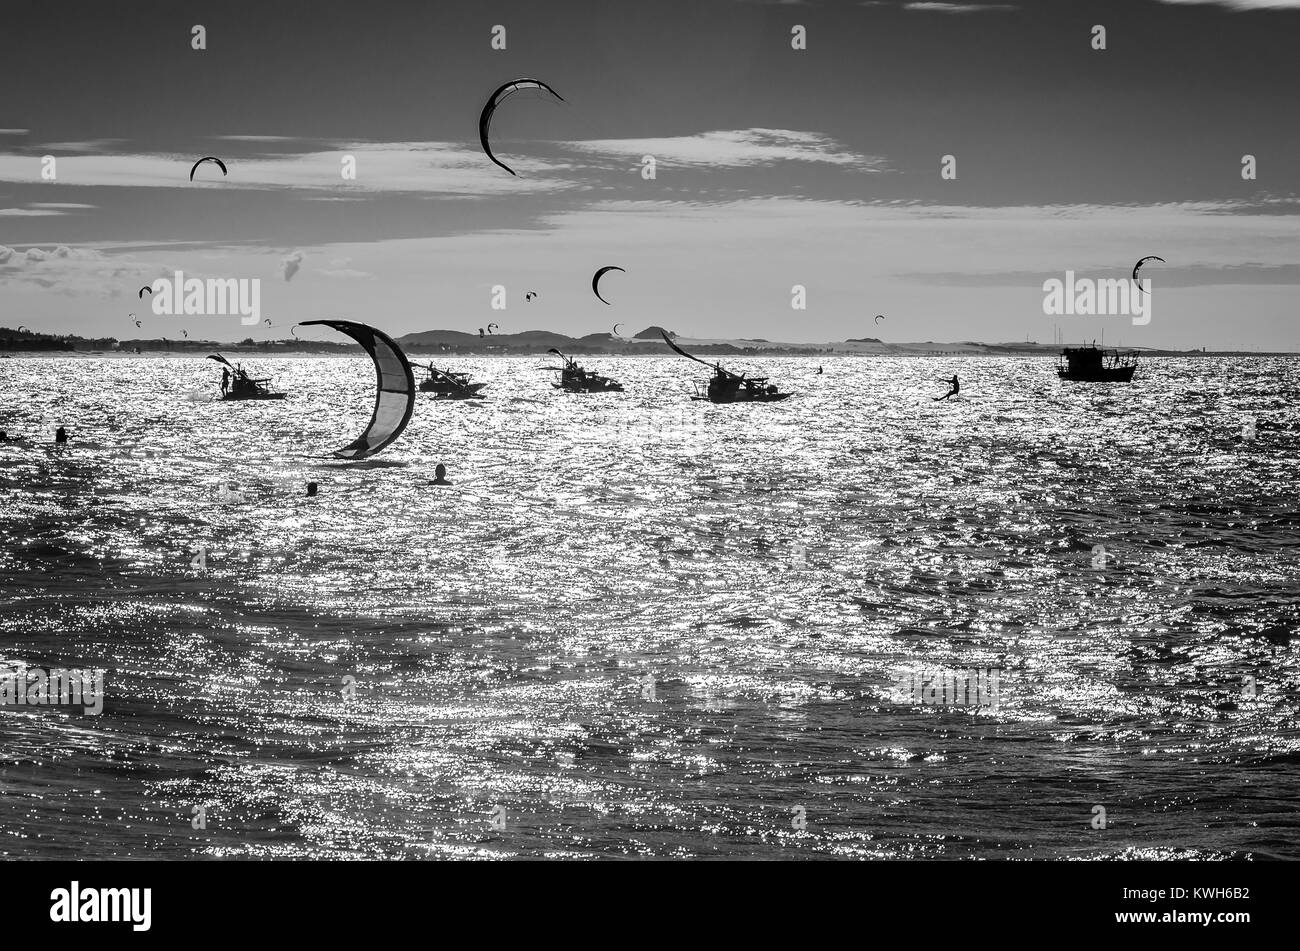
(616,326)
(595,279)
(208,158)
(21,328)
(135,319)
(290,264)
(490,108)
(530,295)
(1136,267)
(490,326)
(879,317)
(185,333)
(147,287)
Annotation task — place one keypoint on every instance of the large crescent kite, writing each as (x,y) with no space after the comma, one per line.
(209,158)
(394,393)
(494,100)
(595,279)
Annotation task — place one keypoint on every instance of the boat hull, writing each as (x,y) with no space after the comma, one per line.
(1103,375)
(589,388)
(254,396)
(742,398)
(444,392)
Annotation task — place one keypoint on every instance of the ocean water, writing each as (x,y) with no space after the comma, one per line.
(640,626)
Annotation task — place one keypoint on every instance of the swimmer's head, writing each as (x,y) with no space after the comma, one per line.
(440,472)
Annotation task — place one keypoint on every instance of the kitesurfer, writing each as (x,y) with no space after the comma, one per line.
(60,435)
(956,388)
(440,475)
(225,381)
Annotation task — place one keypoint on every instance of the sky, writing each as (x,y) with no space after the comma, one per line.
(775,167)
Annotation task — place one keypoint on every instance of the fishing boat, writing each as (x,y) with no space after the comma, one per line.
(446,385)
(574,379)
(1094,365)
(241,386)
(727,387)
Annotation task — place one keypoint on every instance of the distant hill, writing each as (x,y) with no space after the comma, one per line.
(528,341)
(654,333)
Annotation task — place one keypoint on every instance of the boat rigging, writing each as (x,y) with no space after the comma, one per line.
(727,387)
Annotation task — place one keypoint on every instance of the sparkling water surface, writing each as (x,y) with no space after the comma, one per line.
(637,625)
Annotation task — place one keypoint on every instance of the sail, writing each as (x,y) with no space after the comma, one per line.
(717,367)
(395,388)
(220,359)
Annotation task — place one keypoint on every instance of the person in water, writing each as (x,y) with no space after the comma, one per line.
(225,381)
(956,388)
(60,435)
(440,475)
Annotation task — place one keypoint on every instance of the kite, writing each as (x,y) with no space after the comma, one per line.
(595,279)
(394,392)
(209,158)
(1136,267)
(495,100)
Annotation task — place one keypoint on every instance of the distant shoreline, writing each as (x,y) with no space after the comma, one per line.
(423,356)
(538,343)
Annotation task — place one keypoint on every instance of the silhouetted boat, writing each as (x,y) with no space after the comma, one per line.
(1093,365)
(444,384)
(574,379)
(727,387)
(244,387)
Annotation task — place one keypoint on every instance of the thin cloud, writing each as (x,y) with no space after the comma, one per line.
(81,148)
(1242,4)
(346,273)
(733,149)
(29,212)
(43,209)
(1193,274)
(431,167)
(258,138)
(959,7)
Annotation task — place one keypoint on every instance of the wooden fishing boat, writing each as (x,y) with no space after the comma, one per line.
(1093,365)
(727,387)
(444,384)
(241,386)
(574,379)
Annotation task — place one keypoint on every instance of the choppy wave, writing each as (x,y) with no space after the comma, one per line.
(641,626)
